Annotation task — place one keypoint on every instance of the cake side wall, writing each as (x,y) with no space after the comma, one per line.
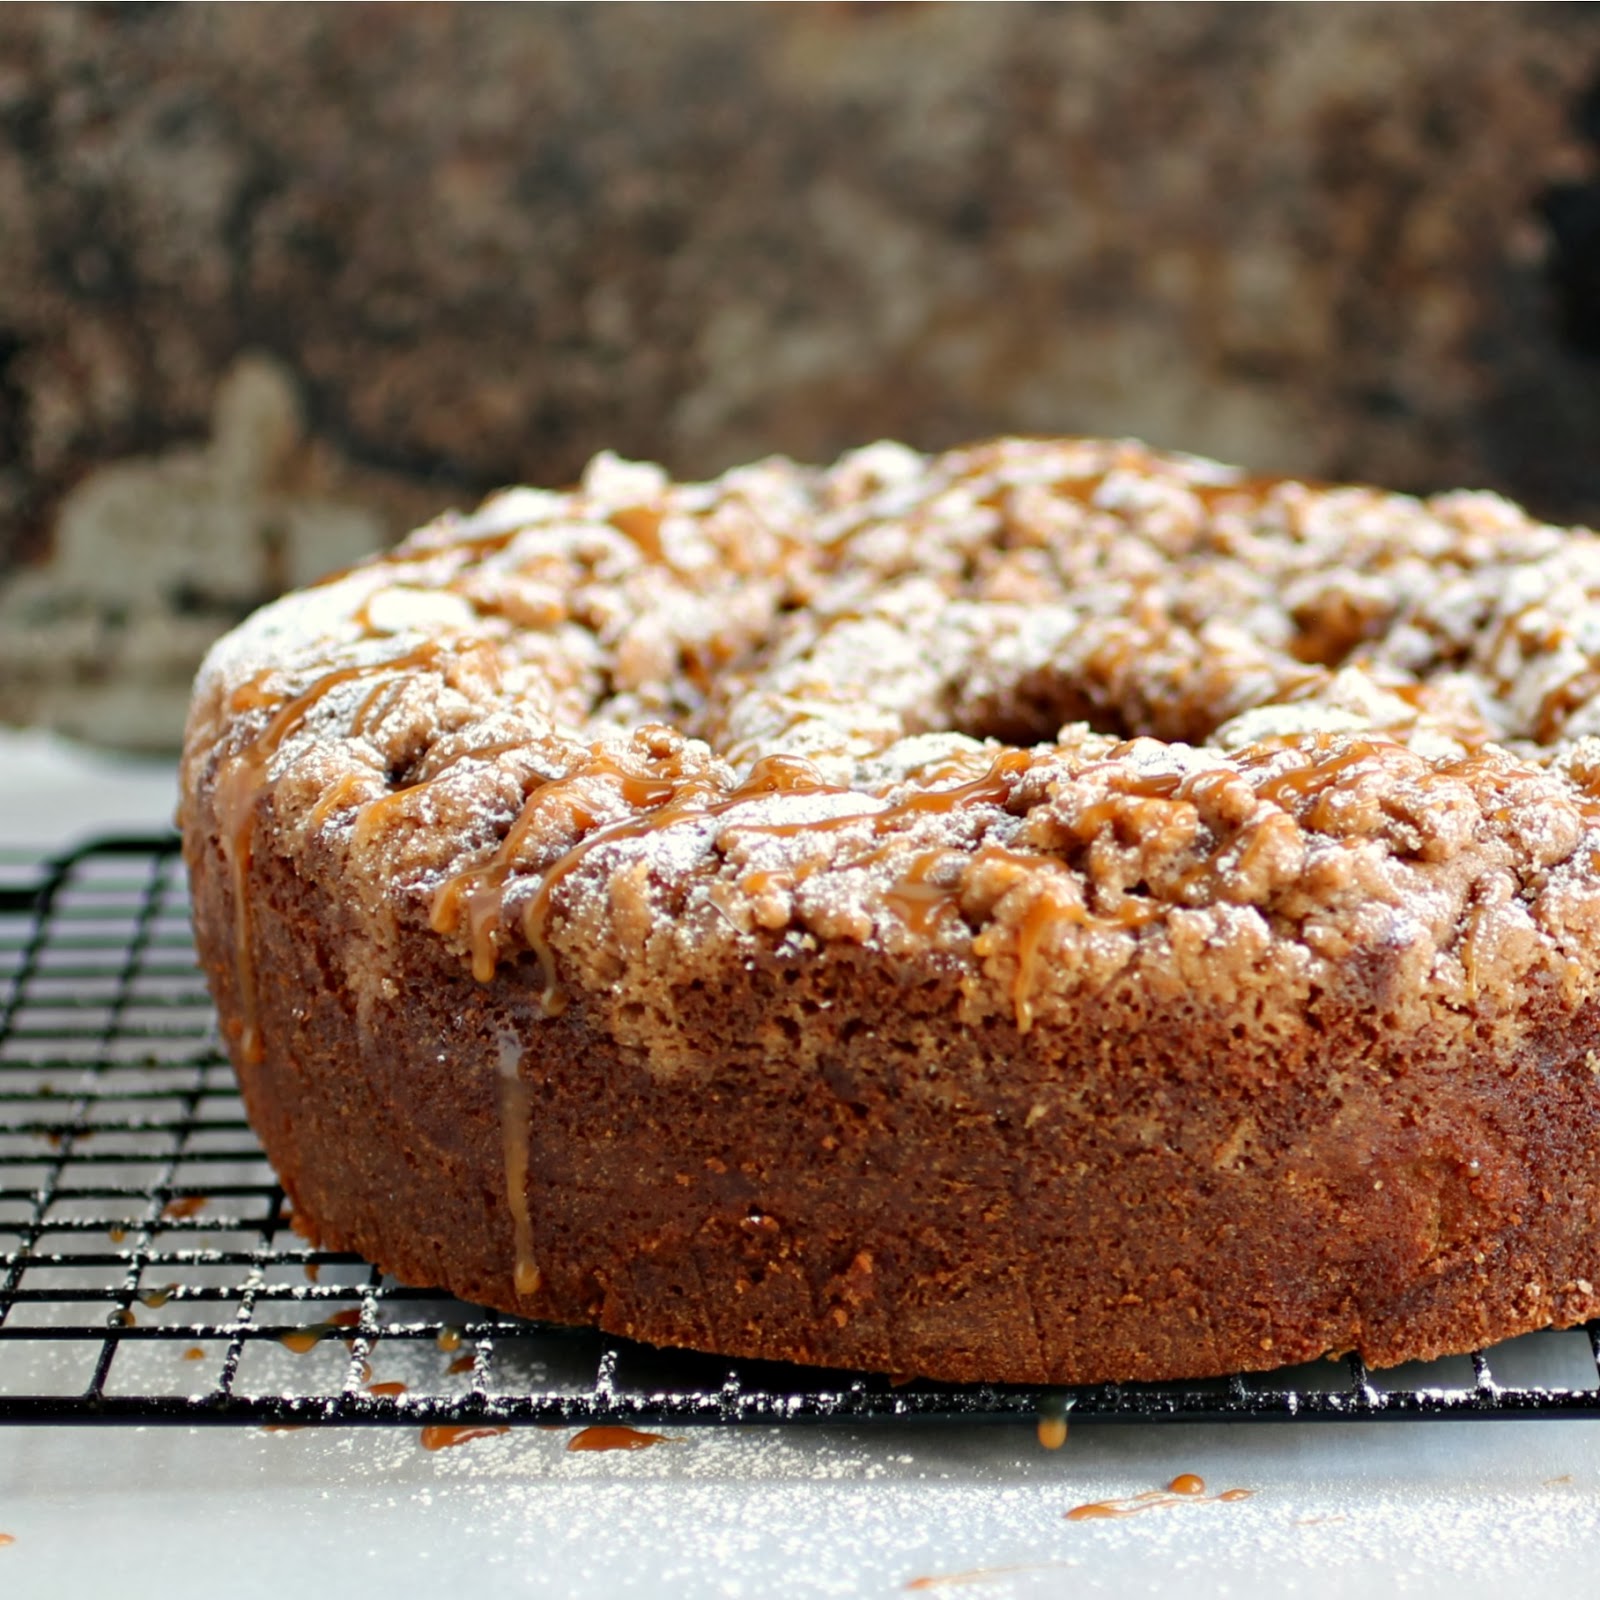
(910,1194)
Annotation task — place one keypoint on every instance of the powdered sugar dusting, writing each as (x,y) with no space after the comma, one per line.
(1464,1510)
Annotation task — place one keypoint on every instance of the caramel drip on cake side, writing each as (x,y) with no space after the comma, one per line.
(516,1135)
(1047,910)
(242,783)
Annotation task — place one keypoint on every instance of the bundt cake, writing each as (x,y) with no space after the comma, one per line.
(1051,911)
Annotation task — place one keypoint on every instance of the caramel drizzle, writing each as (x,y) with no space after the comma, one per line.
(242,783)
(1479,769)
(641,526)
(1470,936)
(1301,783)
(374,706)
(374,813)
(1268,828)
(921,905)
(677,803)
(1048,910)
(478,893)
(347,791)
(772,775)
(992,788)
(1092,818)
(516,1138)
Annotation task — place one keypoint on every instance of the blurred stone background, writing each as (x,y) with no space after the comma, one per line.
(278,282)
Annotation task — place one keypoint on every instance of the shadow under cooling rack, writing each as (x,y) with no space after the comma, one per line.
(150,1271)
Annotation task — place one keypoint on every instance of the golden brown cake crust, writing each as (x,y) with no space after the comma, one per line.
(1049,912)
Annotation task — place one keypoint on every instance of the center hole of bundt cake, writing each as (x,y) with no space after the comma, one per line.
(1034,708)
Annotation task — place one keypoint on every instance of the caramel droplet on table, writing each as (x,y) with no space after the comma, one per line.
(1052,1432)
(975,1575)
(448,1339)
(7,1538)
(300,1340)
(446,1436)
(462,1364)
(1186,1487)
(386,1389)
(194,1353)
(1107,1508)
(615,1438)
(185,1205)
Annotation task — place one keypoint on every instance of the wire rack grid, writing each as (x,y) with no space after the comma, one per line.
(150,1271)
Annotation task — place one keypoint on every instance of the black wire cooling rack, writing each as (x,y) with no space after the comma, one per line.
(150,1272)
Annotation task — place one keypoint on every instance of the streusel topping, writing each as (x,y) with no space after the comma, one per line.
(1063,713)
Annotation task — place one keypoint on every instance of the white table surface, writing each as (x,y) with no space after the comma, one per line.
(1457,1509)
